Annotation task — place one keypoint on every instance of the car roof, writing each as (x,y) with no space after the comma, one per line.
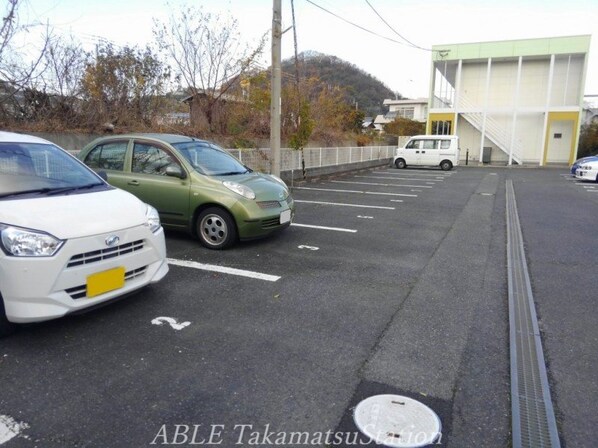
(167,138)
(13,137)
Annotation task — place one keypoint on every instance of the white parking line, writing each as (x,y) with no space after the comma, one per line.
(400,179)
(356,192)
(381,185)
(10,428)
(346,205)
(414,173)
(223,270)
(336,229)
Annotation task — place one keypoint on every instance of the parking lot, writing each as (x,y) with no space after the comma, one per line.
(388,281)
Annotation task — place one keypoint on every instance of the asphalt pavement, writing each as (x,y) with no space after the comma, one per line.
(389,281)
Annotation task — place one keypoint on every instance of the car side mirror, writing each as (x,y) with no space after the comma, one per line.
(103,175)
(175,171)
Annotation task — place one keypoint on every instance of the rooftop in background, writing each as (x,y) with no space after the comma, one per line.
(512,48)
(405,102)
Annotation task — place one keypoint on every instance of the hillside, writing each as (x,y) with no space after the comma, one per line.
(367,91)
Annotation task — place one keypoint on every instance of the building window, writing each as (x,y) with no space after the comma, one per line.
(402,112)
(441,127)
(558,135)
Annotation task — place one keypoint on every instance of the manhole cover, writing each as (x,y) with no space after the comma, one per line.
(397,421)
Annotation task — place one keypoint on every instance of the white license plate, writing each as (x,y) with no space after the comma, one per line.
(285,216)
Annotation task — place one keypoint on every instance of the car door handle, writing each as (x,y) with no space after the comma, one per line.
(133,182)
(423,152)
(417,152)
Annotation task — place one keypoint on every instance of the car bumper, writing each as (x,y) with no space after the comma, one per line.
(38,289)
(255,222)
(590,175)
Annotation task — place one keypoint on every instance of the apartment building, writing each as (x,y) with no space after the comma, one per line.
(518,101)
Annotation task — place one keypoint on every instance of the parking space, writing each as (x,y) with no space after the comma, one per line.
(388,280)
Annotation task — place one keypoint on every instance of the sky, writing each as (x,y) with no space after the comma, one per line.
(402,67)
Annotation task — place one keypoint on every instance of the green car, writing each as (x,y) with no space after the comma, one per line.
(195,185)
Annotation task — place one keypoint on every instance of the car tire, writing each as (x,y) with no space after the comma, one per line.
(216,228)
(446,165)
(6,327)
(400,164)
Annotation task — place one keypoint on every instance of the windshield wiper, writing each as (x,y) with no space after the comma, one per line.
(232,173)
(54,191)
(20,193)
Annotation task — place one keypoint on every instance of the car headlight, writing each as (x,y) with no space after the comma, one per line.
(243,190)
(20,242)
(153,219)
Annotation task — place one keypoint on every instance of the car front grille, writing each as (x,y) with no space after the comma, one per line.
(80,292)
(268,204)
(104,254)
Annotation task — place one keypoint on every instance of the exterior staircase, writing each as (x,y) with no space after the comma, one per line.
(494,131)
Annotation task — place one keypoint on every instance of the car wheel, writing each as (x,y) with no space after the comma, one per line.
(216,229)
(6,327)
(446,165)
(400,163)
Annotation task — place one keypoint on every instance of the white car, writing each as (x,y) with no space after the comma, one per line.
(68,240)
(429,150)
(588,170)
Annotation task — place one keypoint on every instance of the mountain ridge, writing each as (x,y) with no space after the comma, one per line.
(362,88)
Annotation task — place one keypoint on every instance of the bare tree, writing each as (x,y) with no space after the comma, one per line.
(124,86)
(9,25)
(16,72)
(209,56)
(65,62)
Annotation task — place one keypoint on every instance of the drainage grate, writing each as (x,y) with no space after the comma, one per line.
(534,424)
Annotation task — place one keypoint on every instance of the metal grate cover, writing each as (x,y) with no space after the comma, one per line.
(534,424)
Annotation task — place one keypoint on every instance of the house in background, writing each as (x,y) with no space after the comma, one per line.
(590,110)
(416,109)
(516,101)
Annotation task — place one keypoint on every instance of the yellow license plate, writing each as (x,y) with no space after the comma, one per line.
(105,281)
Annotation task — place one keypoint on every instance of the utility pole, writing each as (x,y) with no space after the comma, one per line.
(276,82)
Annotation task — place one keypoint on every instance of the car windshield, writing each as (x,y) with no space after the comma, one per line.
(210,159)
(34,169)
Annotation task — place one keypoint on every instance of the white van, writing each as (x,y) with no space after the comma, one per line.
(68,240)
(429,150)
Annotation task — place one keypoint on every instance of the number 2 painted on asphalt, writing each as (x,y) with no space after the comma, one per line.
(170,321)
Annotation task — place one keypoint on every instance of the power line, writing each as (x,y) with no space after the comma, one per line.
(395,31)
(355,24)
